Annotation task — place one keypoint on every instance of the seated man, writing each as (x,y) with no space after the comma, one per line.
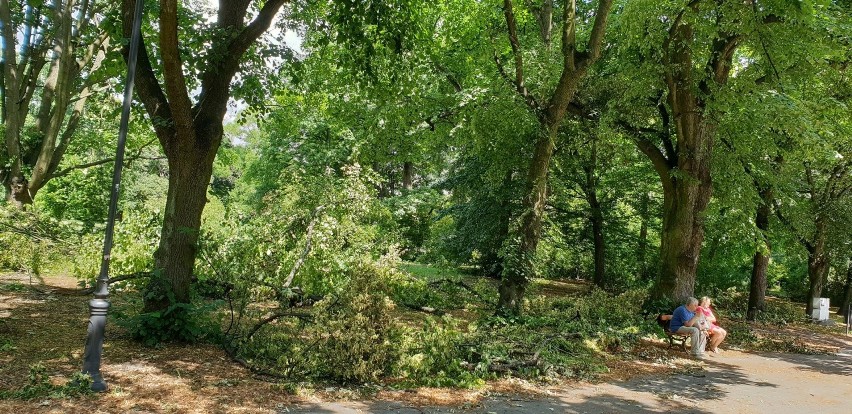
(685,320)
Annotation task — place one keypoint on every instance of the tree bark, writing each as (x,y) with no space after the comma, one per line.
(817,264)
(13,115)
(757,290)
(73,65)
(516,276)
(189,176)
(595,217)
(843,308)
(642,249)
(407,175)
(681,238)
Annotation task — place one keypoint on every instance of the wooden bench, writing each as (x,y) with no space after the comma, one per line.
(665,321)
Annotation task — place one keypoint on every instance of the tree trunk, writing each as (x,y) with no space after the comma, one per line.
(817,265)
(757,291)
(517,274)
(596,217)
(14,114)
(189,177)
(407,175)
(685,169)
(685,200)
(681,238)
(518,268)
(74,67)
(599,244)
(642,249)
(843,308)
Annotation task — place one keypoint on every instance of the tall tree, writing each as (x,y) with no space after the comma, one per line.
(64,37)
(550,110)
(843,307)
(824,189)
(191,132)
(698,42)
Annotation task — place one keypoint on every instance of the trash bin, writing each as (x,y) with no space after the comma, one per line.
(820,309)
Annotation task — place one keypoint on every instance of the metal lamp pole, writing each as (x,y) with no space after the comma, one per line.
(99,306)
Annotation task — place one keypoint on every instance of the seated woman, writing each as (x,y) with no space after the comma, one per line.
(717,334)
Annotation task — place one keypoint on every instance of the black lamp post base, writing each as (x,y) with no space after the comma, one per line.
(95,343)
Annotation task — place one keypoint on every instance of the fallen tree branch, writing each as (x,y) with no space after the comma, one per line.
(460,284)
(274,317)
(308,238)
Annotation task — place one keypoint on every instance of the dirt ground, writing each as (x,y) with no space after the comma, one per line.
(42,322)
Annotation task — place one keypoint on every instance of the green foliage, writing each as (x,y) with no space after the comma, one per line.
(135,239)
(39,385)
(734,304)
(436,355)
(30,240)
(6,345)
(352,336)
(180,322)
(356,336)
(414,213)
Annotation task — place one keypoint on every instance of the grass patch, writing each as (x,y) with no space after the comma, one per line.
(39,385)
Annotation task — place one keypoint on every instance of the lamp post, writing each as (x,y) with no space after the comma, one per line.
(99,306)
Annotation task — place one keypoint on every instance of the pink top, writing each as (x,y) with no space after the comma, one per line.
(707,314)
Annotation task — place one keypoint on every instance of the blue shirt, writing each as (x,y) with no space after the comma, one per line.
(680,316)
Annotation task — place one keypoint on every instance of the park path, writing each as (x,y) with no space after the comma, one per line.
(733,382)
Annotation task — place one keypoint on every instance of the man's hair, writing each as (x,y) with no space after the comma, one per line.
(691,301)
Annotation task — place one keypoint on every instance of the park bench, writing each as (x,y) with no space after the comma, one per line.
(665,321)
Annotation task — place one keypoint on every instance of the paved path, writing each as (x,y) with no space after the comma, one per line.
(733,382)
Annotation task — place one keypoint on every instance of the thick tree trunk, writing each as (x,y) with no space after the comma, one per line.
(685,201)
(681,238)
(190,171)
(843,308)
(817,263)
(599,244)
(596,218)
(407,175)
(642,249)
(517,274)
(685,169)
(757,291)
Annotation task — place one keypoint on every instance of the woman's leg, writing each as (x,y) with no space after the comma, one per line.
(718,335)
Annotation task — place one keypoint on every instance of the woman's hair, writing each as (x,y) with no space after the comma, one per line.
(704,299)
